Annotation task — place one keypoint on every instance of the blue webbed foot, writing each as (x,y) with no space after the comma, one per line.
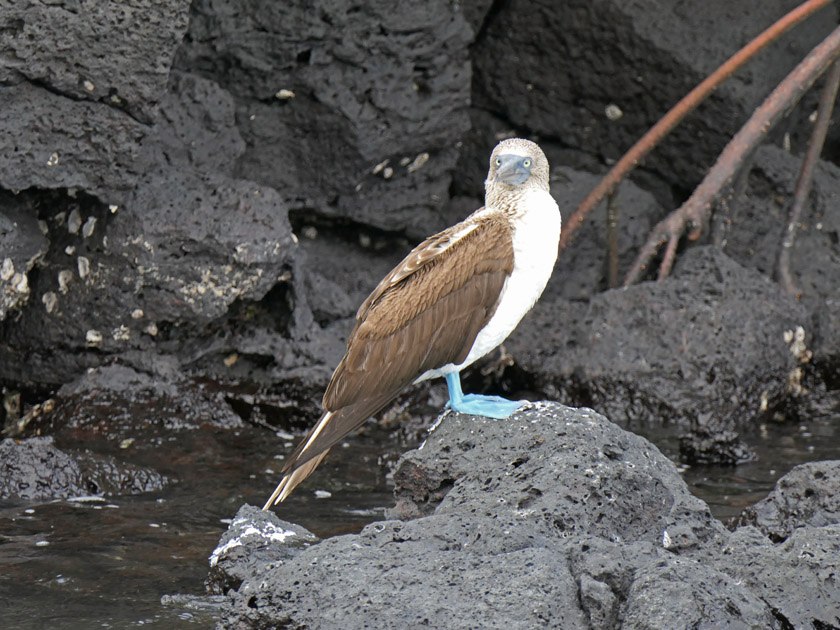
(487,406)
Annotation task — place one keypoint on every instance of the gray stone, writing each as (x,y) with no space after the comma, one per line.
(539,521)
(806,496)
(358,109)
(255,542)
(21,245)
(705,349)
(555,71)
(117,54)
(798,579)
(35,470)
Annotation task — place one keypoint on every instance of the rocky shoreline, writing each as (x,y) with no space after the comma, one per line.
(556,518)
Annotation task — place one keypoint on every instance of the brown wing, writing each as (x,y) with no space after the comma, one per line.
(425,314)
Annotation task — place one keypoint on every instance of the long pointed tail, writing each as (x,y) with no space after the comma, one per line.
(297,473)
(292,479)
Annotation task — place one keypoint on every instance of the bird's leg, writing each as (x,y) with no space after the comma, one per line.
(477,404)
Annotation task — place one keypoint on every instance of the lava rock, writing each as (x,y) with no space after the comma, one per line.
(381,128)
(21,244)
(705,348)
(798,579)
(592,525)
(806,496)
(255,541)
(760,217)
(568,472)
(35,470)
(521,502)
(581,269)
(45,143)
(580,69)
(119,55)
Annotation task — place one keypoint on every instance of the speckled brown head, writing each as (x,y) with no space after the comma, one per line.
(516,164)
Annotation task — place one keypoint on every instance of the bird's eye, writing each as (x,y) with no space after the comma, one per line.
(498,161)
(527,163)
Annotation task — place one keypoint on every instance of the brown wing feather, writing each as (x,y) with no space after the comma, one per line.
(397,339)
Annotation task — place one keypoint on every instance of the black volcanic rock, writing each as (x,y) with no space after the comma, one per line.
(116,54)
(554,518)
(35,470)
(806,496)
(706,348)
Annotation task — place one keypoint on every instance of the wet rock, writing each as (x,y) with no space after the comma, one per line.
(35,470)
(707,445)
(118,404)
(593,526)
(119,55)
(255,541)
(707,348)
(806,496)
(576,73)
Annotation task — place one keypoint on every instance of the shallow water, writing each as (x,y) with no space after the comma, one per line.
(106,563)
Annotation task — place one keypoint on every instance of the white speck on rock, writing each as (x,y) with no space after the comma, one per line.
(21,283)
(89,227)
(418,162)
(49,299)
(65,276)
(84,266)
(122,333)
(93,338)
(7,269)
(74,221)
(137,313)
(613,112)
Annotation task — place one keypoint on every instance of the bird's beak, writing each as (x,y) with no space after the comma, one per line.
(512,171)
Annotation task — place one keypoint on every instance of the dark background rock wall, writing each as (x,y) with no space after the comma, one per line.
(213,187)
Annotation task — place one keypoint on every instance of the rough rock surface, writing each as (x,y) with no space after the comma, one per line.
(591,523)
(34,470)
(255,541)
(311,68)
(760,217)
(592,58)
(116,54)
(806,496)
(706,348)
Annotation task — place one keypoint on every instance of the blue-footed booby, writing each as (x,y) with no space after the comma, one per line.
(453,299)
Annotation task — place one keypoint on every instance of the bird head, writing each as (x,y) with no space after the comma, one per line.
(516,164)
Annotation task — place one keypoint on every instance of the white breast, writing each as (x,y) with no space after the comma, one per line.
(535,241)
